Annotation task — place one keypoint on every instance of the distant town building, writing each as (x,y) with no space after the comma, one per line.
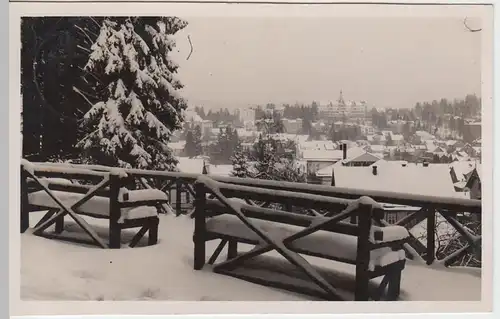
(193,118)
(342,110)
(292,126)
(247,115)
(367,130)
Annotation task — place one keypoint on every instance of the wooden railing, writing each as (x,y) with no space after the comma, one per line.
(425,208)
(428,208)
(177,185)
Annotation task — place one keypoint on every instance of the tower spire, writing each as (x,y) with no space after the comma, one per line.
(341,98)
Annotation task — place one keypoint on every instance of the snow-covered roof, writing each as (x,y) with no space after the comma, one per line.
(362,143)
(333,155)
(192,116)
(177,145)
(386,162)
(413,179)
(460,185)
(316,145)
(245,133)
(462,168)
(377,148)
(366,157)
(355,152)
(420,146)
(425,135)
(438,150)
(376,137)
(462,154)
(397,137)
(190,165)
(220,170)
(478,170)
(298,138)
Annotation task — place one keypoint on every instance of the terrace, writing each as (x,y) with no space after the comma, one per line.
(92,274)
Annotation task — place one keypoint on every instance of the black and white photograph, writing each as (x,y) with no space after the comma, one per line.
(176,157)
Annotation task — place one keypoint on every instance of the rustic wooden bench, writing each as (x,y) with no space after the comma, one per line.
(54,189)
(375,251)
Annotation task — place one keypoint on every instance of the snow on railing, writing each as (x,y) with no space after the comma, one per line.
(424,216)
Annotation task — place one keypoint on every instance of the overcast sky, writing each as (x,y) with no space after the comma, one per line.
(388,62)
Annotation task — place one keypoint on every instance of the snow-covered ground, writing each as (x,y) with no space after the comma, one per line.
(56,270)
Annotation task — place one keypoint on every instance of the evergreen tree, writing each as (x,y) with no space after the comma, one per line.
(132,122)
(193,145)
(197,135)
(240,165)
(228,142)
(190,147)
(388,140)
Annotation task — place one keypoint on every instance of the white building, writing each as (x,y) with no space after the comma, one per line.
(247,115)
(367,130)
(292,126)
(340,110)
(193,118)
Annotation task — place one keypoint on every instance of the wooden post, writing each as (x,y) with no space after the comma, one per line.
(153,232)
(353,219)
(114,212)
(25,213)
(394,288)
(232,249)
(178,197)
(59,224)
(431,236)
(199,226)
(364,213)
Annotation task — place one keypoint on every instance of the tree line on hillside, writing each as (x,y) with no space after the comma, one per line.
(221,116)
(272,158)
(307,113)
(430,116)
(220,151)
(100,89)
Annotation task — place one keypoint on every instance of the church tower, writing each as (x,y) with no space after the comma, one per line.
(341,101)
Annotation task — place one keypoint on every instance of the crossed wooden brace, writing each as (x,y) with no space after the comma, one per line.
(269,244)
(65,210)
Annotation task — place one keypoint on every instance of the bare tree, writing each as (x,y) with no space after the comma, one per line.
(449,240)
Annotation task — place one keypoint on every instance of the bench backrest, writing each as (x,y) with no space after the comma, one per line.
(111,185)
(244,195)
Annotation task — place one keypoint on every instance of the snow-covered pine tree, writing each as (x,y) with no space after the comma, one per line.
(240,165)
(190,147)
(133,119)
(197,134)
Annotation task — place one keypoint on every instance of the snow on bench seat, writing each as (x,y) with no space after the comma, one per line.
(142,195)
(99,205)
(329,244)
(388,234)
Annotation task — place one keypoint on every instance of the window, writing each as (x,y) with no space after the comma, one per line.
(391,218)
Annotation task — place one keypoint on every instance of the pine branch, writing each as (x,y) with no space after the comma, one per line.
(84,33)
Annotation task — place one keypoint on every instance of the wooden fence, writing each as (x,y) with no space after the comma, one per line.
(179,187)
